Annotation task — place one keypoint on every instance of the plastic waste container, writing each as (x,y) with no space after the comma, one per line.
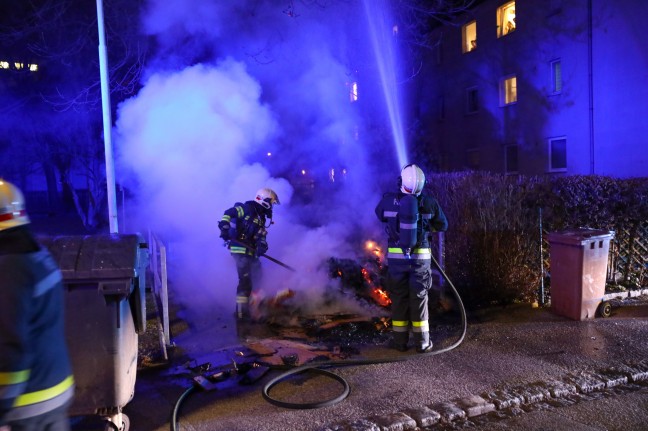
(104,278)
(578,259)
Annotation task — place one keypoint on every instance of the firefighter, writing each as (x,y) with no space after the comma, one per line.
(244,229)
(410,217)
(36,382)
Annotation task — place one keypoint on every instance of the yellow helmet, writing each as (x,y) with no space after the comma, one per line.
(12,206)
(266,198)
(412,180)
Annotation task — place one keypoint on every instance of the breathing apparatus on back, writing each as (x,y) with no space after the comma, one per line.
(411,182)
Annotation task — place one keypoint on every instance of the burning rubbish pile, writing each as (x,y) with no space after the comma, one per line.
(354,306)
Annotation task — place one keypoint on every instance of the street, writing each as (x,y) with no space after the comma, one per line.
(505,349)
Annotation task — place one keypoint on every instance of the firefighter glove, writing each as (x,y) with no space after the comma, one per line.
(225,230)
(261,248)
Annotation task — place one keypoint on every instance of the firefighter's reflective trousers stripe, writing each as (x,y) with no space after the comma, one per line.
(416,254)
(417,326)
(39,402)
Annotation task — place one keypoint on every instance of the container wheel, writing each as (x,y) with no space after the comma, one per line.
(125,424)
(604,309)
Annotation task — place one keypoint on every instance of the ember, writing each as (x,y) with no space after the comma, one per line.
(365,278)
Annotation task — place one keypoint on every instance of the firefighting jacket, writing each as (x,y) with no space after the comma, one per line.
(35,371)
(431,219)
(244,225)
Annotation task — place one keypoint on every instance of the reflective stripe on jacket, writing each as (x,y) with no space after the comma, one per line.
(35,371)
(249,224)
(431,219)
(416,253)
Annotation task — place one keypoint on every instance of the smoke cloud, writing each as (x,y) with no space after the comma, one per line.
(243,95)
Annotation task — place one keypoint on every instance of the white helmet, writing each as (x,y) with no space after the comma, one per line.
(266,198)
(12,206)
(412,180)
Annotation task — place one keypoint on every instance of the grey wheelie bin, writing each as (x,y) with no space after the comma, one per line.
(104,278)
(579,259)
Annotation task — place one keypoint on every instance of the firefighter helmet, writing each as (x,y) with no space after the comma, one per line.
(12,206)
(266,198)
(412,180)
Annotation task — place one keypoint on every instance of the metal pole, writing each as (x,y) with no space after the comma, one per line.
(107,121)
(542,295)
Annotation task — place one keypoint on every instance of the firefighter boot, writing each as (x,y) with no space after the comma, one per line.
(422,342)
(399,341)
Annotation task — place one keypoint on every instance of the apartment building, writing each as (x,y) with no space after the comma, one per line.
(538,87)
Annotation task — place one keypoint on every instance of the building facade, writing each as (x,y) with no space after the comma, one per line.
(538,87)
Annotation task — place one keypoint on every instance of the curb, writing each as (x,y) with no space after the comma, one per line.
(414,419)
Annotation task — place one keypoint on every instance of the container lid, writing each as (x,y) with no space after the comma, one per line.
(579,236)
(95,257)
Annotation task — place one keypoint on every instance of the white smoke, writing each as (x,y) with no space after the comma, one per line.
(232,83)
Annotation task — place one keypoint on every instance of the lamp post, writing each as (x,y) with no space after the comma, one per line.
(107,122)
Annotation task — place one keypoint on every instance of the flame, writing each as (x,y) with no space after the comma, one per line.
(377,293)
(382,297)
(374,249)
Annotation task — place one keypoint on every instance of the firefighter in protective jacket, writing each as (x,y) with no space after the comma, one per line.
(410,217)
(36,382)
(244,229)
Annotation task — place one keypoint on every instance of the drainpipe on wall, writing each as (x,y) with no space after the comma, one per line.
(590,78)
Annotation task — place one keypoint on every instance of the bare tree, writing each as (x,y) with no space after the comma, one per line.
(57,119)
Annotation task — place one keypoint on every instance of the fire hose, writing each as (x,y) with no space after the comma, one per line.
(319,368)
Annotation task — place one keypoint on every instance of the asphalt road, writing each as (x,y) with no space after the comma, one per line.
(505,352)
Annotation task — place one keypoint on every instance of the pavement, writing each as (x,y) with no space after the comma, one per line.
(518,368)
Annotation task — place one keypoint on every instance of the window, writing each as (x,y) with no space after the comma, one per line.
(469,36)
(556,77)
(506,19)
(511,159)
(508,90)
(472,104)
(558,154)
(353,92)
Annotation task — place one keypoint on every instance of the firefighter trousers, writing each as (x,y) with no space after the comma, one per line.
(408,283)
(248,269)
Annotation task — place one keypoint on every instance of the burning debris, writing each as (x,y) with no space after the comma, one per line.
(353,309)
(365,277)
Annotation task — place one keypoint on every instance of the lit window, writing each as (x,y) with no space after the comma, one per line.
(353,92)
(506,19)
(511,159)
(556,76)
(33,67)
(472,99)
(4,65)
(18,65)
(558,154)
(508,90)
(469,36)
